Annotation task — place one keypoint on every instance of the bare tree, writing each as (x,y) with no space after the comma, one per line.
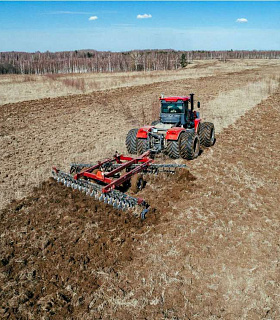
(81,61)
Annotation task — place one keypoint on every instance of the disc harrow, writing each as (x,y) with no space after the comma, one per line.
(103,179)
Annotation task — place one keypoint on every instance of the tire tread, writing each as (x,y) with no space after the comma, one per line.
(131,141)
(187,145)
(205,134)
(142,146)
(173,150)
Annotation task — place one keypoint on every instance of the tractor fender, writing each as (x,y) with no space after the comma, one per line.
(196,123)
(174,133)
(143,132)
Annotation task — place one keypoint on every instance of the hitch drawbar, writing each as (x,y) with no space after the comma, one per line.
(102,180)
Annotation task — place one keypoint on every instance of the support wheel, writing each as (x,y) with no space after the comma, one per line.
(207,134)
(173,150)
(189,145)
(142,145)
(131,141)
(137,183)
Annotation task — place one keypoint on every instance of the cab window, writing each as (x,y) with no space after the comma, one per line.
(171,107)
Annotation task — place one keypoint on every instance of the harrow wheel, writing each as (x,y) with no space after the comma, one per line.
(173,150)
(137,183)
(142,145)
(207,134)
(131,141)
(189,145)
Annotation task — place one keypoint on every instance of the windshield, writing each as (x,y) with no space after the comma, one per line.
(171,107)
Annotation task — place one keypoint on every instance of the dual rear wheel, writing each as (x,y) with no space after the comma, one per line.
(134,145)
(207,134)
(189,143)
(186,147)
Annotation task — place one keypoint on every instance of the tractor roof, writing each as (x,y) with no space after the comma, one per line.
(174,99)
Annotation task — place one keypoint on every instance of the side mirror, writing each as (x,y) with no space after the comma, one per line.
(198,104)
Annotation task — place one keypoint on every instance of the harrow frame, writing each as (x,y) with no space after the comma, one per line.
(124,163)
(102,179)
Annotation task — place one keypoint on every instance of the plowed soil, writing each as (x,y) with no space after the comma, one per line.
(80,238)
(208,249)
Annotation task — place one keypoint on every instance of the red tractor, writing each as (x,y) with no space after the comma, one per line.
(179,132)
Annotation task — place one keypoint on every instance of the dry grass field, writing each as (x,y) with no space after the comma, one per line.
(209,248)
(29,87)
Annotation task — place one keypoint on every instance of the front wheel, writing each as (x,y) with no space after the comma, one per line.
(189,145)
(207,134)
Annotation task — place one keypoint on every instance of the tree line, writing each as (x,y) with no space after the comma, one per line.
(81,61)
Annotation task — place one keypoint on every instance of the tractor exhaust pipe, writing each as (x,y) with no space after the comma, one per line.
(192,101)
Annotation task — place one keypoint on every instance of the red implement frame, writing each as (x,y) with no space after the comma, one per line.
(105,177)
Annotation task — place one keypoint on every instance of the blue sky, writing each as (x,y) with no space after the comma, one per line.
(114,26)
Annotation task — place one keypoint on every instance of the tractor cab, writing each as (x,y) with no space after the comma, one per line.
(178,111)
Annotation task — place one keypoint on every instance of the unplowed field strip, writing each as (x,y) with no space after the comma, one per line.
(15,88)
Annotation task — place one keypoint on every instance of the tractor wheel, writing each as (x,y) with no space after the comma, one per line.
(154,123)
(173,149)
(189,145)
(131,141)
(207,134)
(137,182)
(142,145)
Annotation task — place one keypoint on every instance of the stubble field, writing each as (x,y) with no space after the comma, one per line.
(210,247)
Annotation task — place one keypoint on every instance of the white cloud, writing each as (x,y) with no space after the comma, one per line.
(144,16)
(92,18)
(242,20)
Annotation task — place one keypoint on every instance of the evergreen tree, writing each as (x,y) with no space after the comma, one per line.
(183,61)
